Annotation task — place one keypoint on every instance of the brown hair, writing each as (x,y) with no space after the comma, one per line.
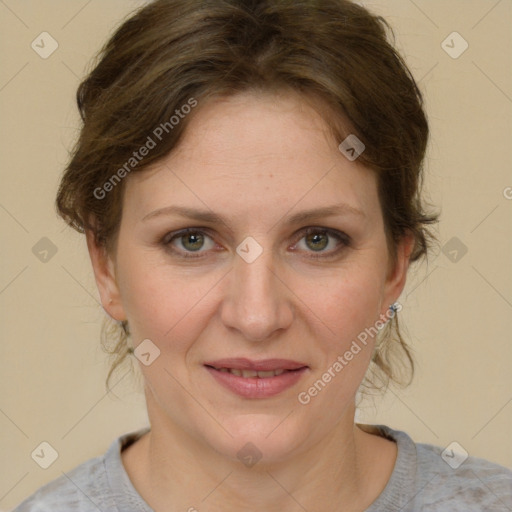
(174,53)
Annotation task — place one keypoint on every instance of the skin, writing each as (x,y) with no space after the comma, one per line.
(255,159)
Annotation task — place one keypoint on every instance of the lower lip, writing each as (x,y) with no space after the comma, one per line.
(256,387)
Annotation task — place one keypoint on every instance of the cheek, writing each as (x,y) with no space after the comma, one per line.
(345,305)
(355,306)
(348,309)
(161,304)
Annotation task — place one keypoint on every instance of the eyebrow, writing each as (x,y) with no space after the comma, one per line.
(211,217)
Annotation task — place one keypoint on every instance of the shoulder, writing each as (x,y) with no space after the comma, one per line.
(429,478)
(79,489)
(452,477)
(96,484)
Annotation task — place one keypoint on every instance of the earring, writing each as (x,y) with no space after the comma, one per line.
(394,308)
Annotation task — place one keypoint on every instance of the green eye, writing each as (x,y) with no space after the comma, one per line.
(192,241)
(189,243)
(318,241)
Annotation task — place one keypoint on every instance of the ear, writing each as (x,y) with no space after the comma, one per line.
(397,274)
(104,273)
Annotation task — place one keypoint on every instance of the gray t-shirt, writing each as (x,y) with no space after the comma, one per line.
(421,481)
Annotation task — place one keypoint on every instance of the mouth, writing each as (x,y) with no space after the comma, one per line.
(248,374)
(256,379)
(241,363)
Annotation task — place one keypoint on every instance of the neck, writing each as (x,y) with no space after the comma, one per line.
(171,466)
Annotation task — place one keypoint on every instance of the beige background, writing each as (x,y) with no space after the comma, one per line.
(458,314)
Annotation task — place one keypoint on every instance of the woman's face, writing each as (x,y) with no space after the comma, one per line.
(260,276)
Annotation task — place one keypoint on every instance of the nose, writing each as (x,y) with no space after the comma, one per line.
(257,301)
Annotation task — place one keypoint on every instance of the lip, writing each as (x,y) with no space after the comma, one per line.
(240,363)
(257,387)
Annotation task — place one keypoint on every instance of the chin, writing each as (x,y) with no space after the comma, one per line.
(261,439)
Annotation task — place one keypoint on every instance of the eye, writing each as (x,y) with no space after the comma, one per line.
(318,240)
(188,241)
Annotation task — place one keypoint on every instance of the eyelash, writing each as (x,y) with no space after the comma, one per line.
(342,238)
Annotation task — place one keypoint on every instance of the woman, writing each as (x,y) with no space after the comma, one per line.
(248,179)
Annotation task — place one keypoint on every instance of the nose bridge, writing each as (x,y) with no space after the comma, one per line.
(255,278)
(257,304)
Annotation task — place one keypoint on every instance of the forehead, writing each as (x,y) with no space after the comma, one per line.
(252,151)
(257,124)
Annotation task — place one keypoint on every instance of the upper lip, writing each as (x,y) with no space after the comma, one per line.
(263,365)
